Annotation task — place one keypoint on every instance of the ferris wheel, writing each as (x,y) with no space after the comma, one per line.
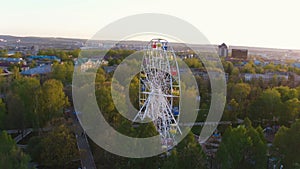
(159,91)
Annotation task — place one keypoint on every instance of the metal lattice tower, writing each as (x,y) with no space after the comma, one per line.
(159,91)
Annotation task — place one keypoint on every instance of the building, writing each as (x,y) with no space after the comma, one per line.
(223,50)
(266,77)
(239,53)
(41,58)
(109,69)
(297,65)
(12,60)
(89,63)
(40,70)
(211,75)
(35,49)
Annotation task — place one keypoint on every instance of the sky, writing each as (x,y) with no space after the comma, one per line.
(259,23)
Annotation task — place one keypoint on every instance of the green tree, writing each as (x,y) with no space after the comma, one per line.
(270,67)
(133,92)
(243,146)
(187,154)
(21,100)
(33,64)
(290,112)
(15,112)
(59,72)
(189,151)
(63,72)
(171,162)
(16,73)
(266,106)
(51,101)
(69,72)
(105,103)
(2,113)
(3,53)
(75,53)
(286,93)
(100,78)
(63,55)
(228,67)
(10,155)
(193,63)
(249,68)
(232,111)
(239,92)
(235,75)
(34,148)
(56,150)
(259,69)
(17,55)
(287,141)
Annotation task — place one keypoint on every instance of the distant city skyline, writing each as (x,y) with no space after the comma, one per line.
(271,24)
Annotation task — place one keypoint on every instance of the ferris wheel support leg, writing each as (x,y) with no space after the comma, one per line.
(146,111)
(140,111)
(178,128)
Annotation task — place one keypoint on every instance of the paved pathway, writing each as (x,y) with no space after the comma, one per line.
(87,159)
(23,135)
(19,130)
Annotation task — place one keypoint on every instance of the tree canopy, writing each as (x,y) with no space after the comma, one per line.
(243,146)
(287,142)
(10,155)
(55,150)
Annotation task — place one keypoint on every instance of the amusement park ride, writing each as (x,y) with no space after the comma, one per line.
(159,91)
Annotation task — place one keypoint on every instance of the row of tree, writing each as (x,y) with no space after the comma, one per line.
(278,104)
(245,146)
(31,104)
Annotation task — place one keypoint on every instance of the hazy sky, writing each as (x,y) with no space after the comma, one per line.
(262,23)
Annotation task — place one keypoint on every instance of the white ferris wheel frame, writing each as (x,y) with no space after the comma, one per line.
(159,87)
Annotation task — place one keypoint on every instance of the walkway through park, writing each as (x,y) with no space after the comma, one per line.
(86,156)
